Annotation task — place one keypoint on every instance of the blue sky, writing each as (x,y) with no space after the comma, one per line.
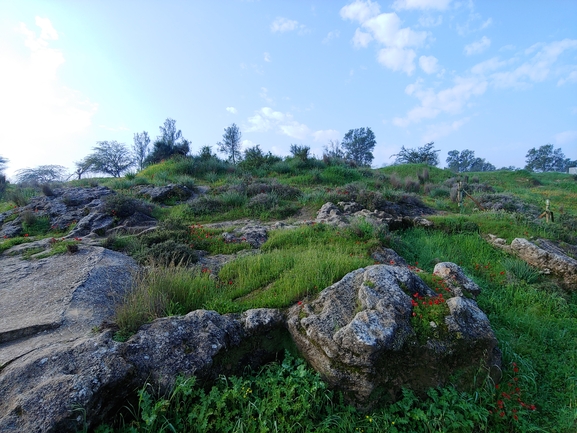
(496,77)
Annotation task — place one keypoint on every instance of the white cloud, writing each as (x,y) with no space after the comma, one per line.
(478,46)
(434,132)
(430,21)
(488,66)
(421,4)
(397,53)
(360,10)
(386,29)
(397,59)
(267,57)
(566,137)
(536,69)
(33,95)
(323,136)
(267,119)
(264,95)
(231,110)
(245,144)
(571,78)
(486,24)
(48,32)
(428,64)
(331,35)
(450,100)
(282,25)
(361,39)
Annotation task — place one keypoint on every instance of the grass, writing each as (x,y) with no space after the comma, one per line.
(536,324)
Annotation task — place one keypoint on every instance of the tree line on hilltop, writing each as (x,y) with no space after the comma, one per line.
(355,149)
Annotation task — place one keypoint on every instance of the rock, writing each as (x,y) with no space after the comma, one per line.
(388,256)
(185,345)
(456,280)
(253,233)
(59,298)
(548,258)
(82,207)
(57,388)
(359,334)
(162,194)
(331,214)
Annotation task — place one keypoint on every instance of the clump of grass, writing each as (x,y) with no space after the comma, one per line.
(521,270)
(165,291)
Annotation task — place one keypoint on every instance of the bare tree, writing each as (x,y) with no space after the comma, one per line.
(110,157)
(41,175)
(140,148)
(231,143)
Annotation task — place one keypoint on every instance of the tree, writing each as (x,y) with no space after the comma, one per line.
(300,152)
(547,159)
(3,162)
(167,145)
(465,160)
(83,166)
(358,145)
(110,157)
(140,148)
(420,155)
(41,175)
(231,143)
(333,150)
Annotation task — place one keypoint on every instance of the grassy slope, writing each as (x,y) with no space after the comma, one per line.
(535,321)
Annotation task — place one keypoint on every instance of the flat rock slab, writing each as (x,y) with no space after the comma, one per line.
(58,298)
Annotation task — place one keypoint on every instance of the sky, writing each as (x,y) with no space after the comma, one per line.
(495,77)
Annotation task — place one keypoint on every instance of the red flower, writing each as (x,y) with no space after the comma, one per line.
(26,235)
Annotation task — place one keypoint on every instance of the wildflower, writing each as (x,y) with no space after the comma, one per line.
(26,235)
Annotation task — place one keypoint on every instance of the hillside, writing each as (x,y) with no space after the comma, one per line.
(234,238)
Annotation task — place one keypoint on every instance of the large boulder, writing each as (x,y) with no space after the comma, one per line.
(370,335)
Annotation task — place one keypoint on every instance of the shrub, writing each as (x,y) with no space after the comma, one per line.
(411,185)
(440,192)
(121,206)
(169,253)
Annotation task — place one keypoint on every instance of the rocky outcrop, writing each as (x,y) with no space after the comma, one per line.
(394,217)
(87,211)
(58,298)
(163,194)
(456,280)
(367,337)
(544,255)
(62,387)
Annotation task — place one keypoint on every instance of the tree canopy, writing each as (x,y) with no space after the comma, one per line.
(3,162)
(167,144)
(140,148)
(109,157)
(546,158)
(41,175)
(421,155)
(358,145)
(466,161)
(231,143)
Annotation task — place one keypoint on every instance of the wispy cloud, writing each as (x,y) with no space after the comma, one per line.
(386,30)
(231,110)
(282,25)
(267,57)
(266,119)
(450,100)
(429,64)
(323,136)
(436,131)
(477,46)
(421,4)
(330,36)
(566,137)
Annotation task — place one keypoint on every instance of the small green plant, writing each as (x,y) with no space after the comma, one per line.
(521,270)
